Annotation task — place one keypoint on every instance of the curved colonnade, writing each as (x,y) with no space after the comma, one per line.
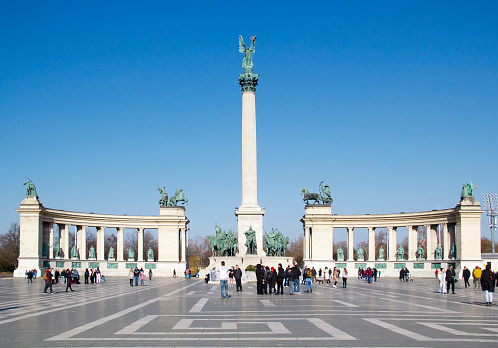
(38,240)
(460,228)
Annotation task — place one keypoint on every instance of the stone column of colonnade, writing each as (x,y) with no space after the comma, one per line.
(120,241)
(64,240)
(100,243)
(446,241)
(51,240)
(140,249)
(350,244)
(81,241)
(371,244)
(412,243)
(391,252)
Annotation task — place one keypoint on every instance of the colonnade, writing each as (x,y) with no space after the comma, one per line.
(39,239)
(459,230)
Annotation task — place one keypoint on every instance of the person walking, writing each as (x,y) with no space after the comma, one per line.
(488,279)
(47,277)
(450,279)
(466,276)
(224,280)
(280,279)
(334,277)
(69,281)
(237,275)
(344,278)
(30,276)
(150,274)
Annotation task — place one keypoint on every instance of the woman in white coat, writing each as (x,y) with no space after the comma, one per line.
(441,276)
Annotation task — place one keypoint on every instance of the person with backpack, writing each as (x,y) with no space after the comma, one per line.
(307,277)
(297,274)
(47,277)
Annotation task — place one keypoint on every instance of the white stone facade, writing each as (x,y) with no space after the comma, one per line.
(37,229)
(460,226)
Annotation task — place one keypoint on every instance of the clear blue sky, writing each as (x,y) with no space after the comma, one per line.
(394,104)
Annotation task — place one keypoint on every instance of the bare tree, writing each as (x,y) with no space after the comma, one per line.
(295,249)
(199,251)
(9,248)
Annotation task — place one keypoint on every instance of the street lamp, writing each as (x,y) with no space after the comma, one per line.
(490,203)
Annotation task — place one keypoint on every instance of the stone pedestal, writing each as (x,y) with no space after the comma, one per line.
(112,259)
(249,260)
(150,260)
(360,260)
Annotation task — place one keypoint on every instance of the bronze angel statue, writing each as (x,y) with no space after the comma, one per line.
(248,51)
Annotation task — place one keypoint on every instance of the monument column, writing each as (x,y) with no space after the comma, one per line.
(120,234)
(350,244)
(371,244)
(100,243)
(183,233)
(140,238)
(249,214)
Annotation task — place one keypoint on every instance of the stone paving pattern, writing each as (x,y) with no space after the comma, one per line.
(189,313)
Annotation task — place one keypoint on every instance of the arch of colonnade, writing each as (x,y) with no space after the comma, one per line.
(460,227)
(38,240)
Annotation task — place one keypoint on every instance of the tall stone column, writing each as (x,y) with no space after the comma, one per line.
(446,242)
(81,241)
(412,243)
(140,238)
(350,244)
(306,243)
(100,243)
(120,246)
(249,214)
(371,244)
(183,233)
(392,244)
(51,240)
(64,232)
(468,229)
(430,238)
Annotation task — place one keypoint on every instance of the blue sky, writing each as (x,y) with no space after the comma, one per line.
(393,104)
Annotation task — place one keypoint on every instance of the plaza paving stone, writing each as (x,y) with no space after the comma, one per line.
(189,313)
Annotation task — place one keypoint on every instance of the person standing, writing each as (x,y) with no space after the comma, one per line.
(488,279)
(47,277)
(224,280)
(334,277)
(466,276)
(477,277)
(344,278)
(280,279)
(150,274)
(87,276)
(297,274)
(441,276)
(401,274)
(136,274)
(292,274)
(98,276)
(260,274)
(237,275)
(30,276)
(130,275)
(450,279)
(142,278)
(308,278)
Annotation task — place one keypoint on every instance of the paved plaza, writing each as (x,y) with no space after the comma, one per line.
(189,313)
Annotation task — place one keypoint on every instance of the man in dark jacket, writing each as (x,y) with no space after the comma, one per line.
(488,279)
(237,274)
(260,273)
(291,281)
(450,279)
(280,280)
(466,276)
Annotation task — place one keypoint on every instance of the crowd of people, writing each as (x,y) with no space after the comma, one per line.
(138,274)
(66,277)
(485,279)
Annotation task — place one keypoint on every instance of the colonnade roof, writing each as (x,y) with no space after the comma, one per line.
(176,216)
(434,217)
